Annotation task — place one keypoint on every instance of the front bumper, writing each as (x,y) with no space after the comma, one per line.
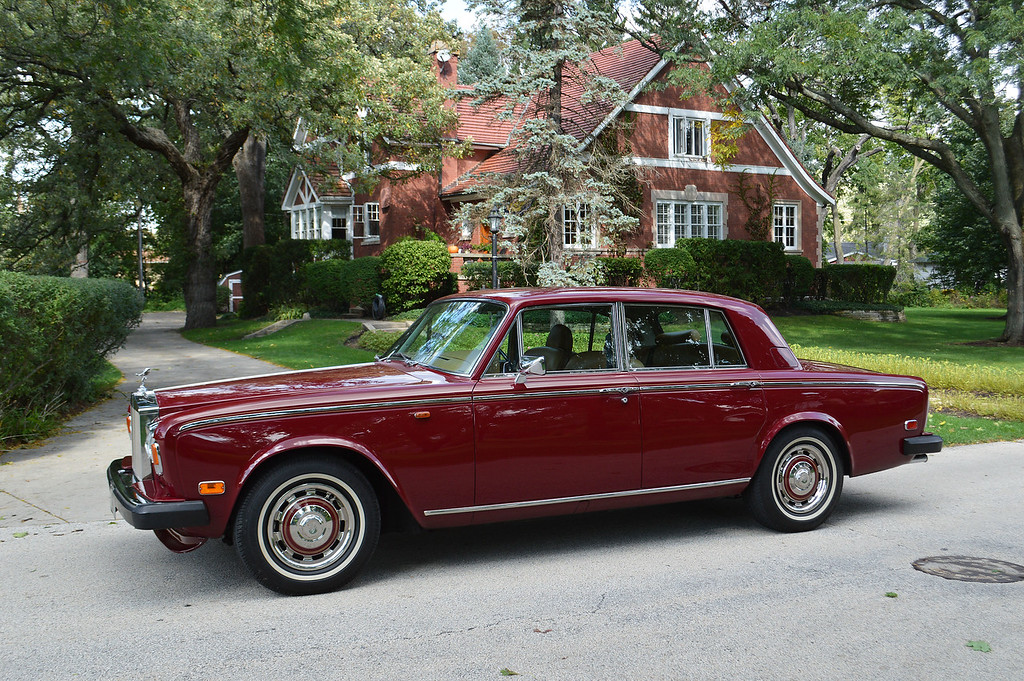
(921,446)
(144,514)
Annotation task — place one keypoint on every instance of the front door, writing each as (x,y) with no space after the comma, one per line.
(572,432)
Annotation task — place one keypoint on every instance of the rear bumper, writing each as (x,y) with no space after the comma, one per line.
(922,445)
(143,514)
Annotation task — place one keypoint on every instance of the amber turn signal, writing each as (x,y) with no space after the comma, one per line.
(154,454)
(211,487)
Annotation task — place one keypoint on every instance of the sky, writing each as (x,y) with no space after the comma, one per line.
(455,10)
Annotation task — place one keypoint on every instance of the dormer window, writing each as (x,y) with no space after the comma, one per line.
(690,136)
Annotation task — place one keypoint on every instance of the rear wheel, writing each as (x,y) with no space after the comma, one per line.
(799,481)
(308,525)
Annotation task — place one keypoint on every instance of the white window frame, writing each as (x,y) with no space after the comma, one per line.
(677,220)
(344,227)
(786,225)
(578,231)
(372,215)
(683,140)
(358,222)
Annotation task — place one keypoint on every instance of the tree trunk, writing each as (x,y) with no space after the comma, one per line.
(1010,228)
(837,235)
(201,277)
(250,165)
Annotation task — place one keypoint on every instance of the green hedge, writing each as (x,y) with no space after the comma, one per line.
(669,267)
(799,278)
(510,274)
(324,285)
(752,270)
(415,273)
(55,333)
(622,271)
(361,281)
(859,283)
(271,275)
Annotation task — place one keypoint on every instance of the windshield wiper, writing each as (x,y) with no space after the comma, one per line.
(402,356)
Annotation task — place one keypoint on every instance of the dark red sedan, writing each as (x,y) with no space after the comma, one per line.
(511,404)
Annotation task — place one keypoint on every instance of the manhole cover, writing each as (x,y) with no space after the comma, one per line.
(968,569)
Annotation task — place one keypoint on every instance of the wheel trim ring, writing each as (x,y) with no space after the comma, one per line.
(338,557)
(806,452)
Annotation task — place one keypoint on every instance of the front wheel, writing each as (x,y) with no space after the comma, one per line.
(307,526)
(798,483)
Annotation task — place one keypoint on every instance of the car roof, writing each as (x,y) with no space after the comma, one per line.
(586,294)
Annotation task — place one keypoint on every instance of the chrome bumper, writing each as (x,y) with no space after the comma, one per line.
(143,514)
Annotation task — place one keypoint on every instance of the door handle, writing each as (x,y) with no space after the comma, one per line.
(749,385)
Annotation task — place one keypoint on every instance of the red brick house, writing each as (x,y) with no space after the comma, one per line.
(685,194)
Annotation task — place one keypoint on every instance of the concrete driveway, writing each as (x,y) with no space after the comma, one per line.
(688,591)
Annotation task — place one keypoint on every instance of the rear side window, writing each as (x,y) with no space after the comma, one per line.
(679,337)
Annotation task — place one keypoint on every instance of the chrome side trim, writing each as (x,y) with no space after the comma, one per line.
(544,393)
(724,385)
(585,497)
(311,411)
(840,384)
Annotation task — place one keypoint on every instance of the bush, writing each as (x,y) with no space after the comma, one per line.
(859,283)
(911,294)
(378,342)
(323,285)
(361,281)
(510,274)
(415,273)
(622,271)
(799,278)
(752,270)
(669,267)
(270,275)
(55,333)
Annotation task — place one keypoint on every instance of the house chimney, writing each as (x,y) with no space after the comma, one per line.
(444,62)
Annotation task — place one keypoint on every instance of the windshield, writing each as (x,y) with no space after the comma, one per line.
(449,336)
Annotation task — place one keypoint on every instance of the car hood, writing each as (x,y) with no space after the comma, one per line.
(358,381)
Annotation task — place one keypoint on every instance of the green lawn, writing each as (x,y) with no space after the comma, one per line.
(303,345)
(931,333)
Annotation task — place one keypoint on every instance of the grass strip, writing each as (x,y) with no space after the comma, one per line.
(939,374)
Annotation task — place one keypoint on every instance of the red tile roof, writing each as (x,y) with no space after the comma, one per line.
(627,64)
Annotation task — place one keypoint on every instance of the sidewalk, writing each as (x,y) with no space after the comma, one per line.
(63,479)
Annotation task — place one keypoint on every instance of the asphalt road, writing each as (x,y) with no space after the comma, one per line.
(688,591)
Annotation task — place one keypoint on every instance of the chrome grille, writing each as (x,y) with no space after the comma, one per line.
(143,414)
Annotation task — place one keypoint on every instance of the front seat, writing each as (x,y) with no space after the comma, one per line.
(558,349)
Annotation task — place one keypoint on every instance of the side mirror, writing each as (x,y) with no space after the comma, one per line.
(532,366)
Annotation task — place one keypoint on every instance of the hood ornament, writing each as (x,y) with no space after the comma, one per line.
(142,379)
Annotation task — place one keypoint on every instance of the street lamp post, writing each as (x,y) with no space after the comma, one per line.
(494,227)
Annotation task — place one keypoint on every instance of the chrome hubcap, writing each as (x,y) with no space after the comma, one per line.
(310,526)
(804,478)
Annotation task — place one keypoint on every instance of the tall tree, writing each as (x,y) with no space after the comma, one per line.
(482,61)
(566,188)
(904,71)
(191,80)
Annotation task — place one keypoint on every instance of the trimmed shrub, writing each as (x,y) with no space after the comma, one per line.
(55,333)
(361,281)
(415,273)
(270,275)
(510,274)
(622,271)
(323,285)
(752,270)
(669,267)
(799,278)
(859,283)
